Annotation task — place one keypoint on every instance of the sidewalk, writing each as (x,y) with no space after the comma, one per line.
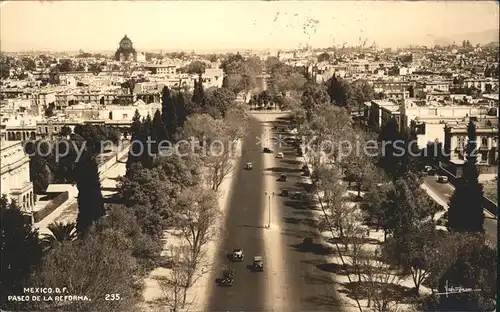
(372,241)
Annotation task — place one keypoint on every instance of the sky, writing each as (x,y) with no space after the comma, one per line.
(204,25)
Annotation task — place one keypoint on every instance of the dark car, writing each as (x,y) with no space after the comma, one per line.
(282,178)
(267,150)
(227,278)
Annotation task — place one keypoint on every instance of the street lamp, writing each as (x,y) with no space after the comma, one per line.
(269,198)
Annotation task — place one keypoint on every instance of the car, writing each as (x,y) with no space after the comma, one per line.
(280,155)
(297,195)
(284,193)
(429,170)
(238,255)
(282,178)
(267,150)
(227,278)
(249,166)
(442,179)
(304,168)
(258,263)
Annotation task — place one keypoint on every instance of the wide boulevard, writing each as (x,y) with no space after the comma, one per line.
(294,279)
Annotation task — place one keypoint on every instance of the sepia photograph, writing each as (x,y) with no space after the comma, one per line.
(261,156)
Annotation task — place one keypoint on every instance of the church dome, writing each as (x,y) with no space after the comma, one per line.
(126,43)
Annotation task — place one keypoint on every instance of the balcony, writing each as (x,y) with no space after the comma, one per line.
(25,187)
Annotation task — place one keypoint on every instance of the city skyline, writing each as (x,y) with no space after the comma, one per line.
(221,25)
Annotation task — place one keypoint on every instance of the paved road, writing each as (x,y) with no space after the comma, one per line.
(310,284)
(444,191)
(243,229)
(297,276)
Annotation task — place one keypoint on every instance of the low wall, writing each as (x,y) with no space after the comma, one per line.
(50,207)
(489,205)
(112,161)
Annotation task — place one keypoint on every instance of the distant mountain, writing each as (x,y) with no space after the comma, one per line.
(493,44)
(482,37)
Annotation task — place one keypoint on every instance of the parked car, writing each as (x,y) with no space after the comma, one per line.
(249,166)
(282,178)
(267,150)
(297,195)
(280,155)
(442,179)
(429,170)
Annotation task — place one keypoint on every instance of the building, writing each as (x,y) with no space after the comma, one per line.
(380,112)
(15,175)
(161,69)
(126,51)
(456,139)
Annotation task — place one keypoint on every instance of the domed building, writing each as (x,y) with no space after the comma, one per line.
(126,51)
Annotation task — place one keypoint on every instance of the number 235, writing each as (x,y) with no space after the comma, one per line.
(112,297)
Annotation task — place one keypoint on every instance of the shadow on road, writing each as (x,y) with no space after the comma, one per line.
(252,226)
(298,205)
(283,170)
(317,249)
(308,222)
(366,240)
(317,279)
(323,301)
(393,292)
(291,162)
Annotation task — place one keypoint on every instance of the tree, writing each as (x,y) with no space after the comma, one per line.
(380,205)
(49,110)
(157,131)
(221,99)
(473,268)
(198,93)
(465,206)
(98,265)
(185,171)
(379,275)
(358,166)
(173,286)
(339,216)
(340,91)
(241,73)
(313,95)
(324,57)
(90,201)
(327,127)
(60,232)
(195,67)
(40,173)
(236,122)
(406,252)
(150,194)
(21,250)
(196,215)
(144,248)
(65,131)
(169,113)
